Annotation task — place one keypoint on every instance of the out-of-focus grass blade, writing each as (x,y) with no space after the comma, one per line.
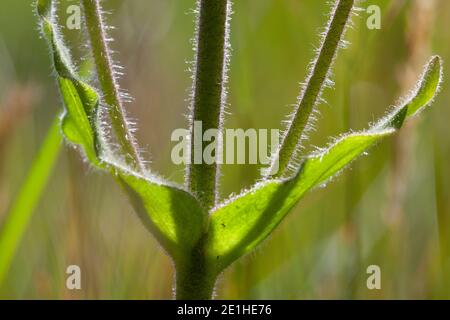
(22,209)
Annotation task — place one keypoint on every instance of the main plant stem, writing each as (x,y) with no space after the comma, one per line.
(108,83)
(208,96)
(194,280)
(314,85)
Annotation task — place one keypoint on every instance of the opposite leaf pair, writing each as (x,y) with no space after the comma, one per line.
(203,241)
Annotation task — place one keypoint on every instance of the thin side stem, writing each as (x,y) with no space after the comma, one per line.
(315,83)
(108,83)
(209,96)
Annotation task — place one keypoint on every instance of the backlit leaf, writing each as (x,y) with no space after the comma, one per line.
(80,100)
(240,224)
(173,215)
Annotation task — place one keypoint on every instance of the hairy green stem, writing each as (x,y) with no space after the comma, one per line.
(108,82)
(208,96)
(315,83)
(195,279)
(193,284)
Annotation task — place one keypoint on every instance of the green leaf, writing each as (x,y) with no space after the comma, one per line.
(242,223)
(21,211)
(239,225)
(170,213)
(80,100)
(426,89)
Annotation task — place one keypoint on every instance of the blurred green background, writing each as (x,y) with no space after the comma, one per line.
(392,209)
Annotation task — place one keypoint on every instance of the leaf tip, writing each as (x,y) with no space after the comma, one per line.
(428,86)
(44,7)
(434,70)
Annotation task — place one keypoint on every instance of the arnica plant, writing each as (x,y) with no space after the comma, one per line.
(201,233)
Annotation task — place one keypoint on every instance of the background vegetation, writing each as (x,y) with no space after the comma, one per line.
(392,209)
